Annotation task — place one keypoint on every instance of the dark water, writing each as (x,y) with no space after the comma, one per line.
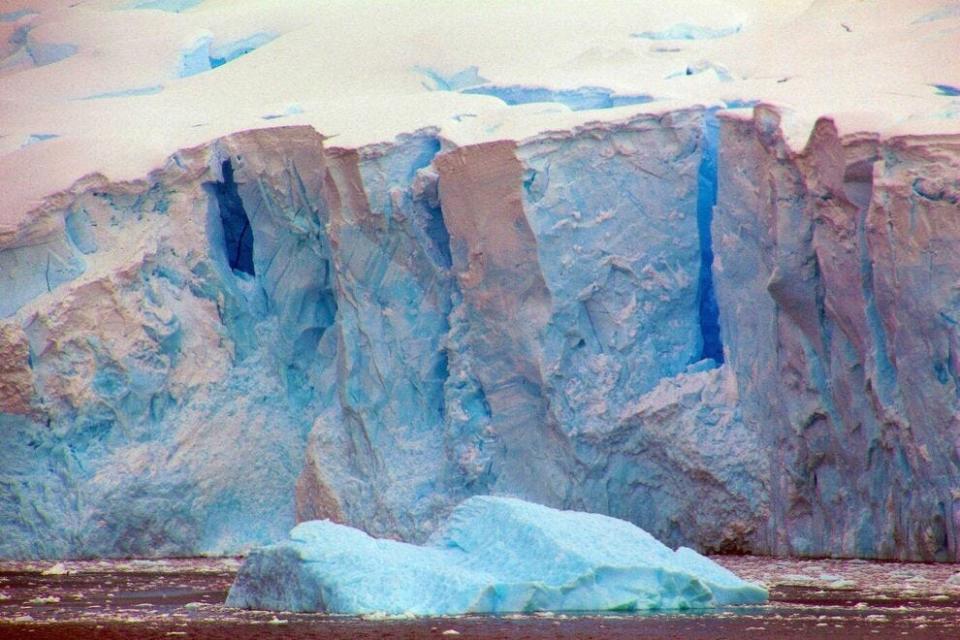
(182,599)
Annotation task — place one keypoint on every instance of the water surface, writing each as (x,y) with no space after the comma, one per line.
(145,599)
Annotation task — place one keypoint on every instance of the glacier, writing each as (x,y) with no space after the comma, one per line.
(335,316)
(493,555)
(365,277)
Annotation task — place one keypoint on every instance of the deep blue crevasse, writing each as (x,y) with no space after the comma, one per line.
(706,199)
(947,90)
(237,234)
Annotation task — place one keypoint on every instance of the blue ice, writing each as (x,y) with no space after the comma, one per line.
(685,31)
(204,55)
(44,53)
(172,6)
(34,138)
(947,90)
(126,93)
(493,555)
(439,81)
(579,99)
(13,16)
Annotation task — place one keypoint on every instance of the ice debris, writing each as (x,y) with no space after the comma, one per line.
(44,600)
(59,569)
(493,555)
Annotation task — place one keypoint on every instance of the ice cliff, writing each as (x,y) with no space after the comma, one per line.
(837,287)
(720,306)
(493,555)
(369,336)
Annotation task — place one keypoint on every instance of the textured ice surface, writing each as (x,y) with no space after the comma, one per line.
(493,555)
(837,267)
(413,293)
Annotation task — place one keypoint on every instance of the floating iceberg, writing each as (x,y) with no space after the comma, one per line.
(494,555)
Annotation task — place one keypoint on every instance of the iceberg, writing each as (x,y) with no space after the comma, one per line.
(493,555)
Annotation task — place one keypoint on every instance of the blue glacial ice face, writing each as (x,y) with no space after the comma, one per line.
(29,271)
(205,54)
(824,277)
(162,398)
(615,219)
(493,555)
(475,288)
(426,315)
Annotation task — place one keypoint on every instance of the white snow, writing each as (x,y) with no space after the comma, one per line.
(163,75)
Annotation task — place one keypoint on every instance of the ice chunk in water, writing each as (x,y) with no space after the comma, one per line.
(494,555)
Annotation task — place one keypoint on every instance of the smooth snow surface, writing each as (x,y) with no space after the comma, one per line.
(494,555)
(170,74)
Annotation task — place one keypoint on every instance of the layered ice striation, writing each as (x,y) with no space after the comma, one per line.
(370,336)
(835,272)
(493,555)
(168,386)
(673,318)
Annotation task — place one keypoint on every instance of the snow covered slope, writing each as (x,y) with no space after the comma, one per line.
(494,555)
(264,262)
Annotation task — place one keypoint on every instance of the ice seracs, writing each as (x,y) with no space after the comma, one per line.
(493,555)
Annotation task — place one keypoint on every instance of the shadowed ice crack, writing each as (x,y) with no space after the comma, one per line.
(947,90)
(706,199)
(237,234)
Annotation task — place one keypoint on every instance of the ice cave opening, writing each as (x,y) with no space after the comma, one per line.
(237,233)
(709,313)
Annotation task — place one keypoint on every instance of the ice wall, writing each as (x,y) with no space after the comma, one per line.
(267,329)
(836,278)
(501,307)
(270,329)
(154,404)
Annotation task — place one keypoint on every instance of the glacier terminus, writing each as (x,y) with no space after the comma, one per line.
(411,285)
